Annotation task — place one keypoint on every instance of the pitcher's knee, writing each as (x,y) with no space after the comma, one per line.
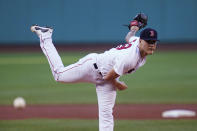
(58,77)
(57,74)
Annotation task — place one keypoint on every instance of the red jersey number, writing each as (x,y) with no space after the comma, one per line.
(125,46)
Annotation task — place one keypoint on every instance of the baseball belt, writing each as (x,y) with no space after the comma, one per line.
(96,67)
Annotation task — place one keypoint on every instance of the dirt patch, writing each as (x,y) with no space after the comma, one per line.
(121,111)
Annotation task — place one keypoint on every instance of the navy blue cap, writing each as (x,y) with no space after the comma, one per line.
(149,34)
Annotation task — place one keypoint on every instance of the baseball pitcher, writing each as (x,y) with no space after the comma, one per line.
(103,69)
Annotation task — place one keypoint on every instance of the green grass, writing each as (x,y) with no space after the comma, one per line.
(167,77)
(92,125)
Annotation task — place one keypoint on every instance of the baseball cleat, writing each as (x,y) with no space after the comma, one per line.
(41,31)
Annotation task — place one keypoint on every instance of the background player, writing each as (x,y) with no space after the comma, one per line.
(102,69)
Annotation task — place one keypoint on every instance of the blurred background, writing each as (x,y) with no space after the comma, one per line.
(97,25)
(83,26)
(90,21)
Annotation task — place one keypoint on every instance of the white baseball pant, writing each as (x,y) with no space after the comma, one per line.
(83,71)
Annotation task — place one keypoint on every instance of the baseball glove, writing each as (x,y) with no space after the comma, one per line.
(139,20)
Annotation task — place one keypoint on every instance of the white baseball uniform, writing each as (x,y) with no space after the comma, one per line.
(123,59)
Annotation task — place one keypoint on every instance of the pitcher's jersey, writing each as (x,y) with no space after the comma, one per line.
(123,59)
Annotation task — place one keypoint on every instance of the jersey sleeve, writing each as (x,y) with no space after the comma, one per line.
(133,39)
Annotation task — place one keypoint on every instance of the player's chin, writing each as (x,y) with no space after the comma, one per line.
(150,52)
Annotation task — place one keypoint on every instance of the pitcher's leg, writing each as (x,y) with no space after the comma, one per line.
(77,72)
(52,55)
(106,95)
(81,71)
(45,34)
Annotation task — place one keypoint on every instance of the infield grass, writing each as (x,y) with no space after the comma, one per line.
(167,77)
(92,125)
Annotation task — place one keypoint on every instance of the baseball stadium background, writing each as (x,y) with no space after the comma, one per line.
(167,81)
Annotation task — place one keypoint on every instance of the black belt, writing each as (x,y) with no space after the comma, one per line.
(96,67)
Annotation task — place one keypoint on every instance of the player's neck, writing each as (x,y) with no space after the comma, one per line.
(143,54)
